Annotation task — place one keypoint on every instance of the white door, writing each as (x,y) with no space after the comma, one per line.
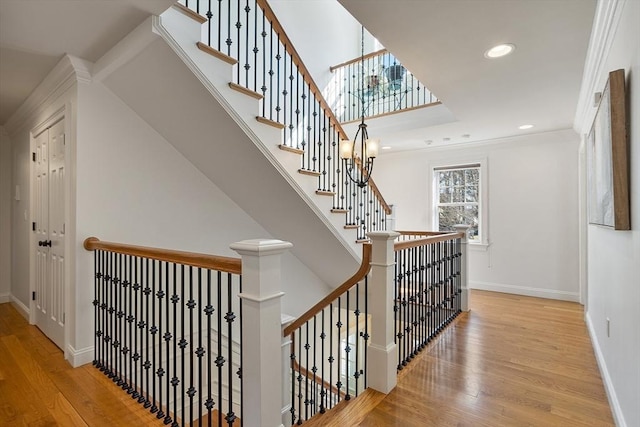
(49,233)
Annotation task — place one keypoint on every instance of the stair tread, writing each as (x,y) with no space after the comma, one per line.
(309,172)
(349,412)
(290,149)
(325,193)
(190,13)
(211,51)
(339,211)
(362,241)
(271,123)
(242,89)
(351,226)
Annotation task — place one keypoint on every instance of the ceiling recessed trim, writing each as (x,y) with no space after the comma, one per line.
(500,50)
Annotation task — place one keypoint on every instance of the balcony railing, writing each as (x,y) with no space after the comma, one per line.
(375,85)
(197,339)
(168,330)
(427,289)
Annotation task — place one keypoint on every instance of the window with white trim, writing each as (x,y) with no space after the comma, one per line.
(458,199)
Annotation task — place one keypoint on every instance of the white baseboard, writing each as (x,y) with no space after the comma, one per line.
(80,357)
(5,298)
(22,309)
(606,378)
(525,290)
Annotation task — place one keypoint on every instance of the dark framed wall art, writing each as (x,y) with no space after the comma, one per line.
(608,158)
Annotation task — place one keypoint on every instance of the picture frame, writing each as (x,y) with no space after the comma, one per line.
(608,158)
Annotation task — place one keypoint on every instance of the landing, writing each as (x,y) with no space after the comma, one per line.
(512,360)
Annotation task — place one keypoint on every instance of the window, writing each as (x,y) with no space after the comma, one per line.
(457,199)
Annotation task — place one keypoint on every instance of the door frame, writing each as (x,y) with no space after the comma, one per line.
(61,113)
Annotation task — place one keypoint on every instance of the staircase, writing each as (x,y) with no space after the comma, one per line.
(186,91)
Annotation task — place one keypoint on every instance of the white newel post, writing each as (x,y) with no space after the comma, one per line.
(391,218)
(464,267)
(261,331)
(383,355)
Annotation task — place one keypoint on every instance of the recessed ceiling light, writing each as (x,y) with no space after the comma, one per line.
(446,139)
(466,135)
(524,127)
(386,147)
(500,50)
(428,141)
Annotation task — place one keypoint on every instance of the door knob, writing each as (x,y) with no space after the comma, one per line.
(46,243)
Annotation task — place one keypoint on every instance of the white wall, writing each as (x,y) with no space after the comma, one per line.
(6,199)
(330,38)
(613,259)
(532,209)
(134,187)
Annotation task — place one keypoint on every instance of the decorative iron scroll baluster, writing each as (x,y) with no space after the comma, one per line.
(427,291)
(155,335)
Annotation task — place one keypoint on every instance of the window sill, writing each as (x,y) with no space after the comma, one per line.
(479,247)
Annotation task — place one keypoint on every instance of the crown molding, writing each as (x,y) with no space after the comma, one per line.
(67,72)
(605,23)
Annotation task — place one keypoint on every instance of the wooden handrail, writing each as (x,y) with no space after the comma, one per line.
(313,87)
(422,233)
(286,41)
(426,241)
(354,60)
(365,266)
(212,262)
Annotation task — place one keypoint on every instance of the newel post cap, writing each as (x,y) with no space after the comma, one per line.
(382,235)
(261,247)
(463,228)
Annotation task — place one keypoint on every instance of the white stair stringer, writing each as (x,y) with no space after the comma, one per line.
(184,94)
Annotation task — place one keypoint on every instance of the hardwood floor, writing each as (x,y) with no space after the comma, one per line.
(39,388)
(512,361)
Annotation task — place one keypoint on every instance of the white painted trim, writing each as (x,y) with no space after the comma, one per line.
(79,357)
(606,378)
(64,75)
(432,190)
(22,309)
(6,297)
(605,24)
(126,49)
(464,146)
(526,291)
(251,297)
(479,247)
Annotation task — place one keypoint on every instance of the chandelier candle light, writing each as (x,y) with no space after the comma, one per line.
(358,155)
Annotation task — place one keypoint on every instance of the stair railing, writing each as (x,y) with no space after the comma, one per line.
(329,347)
(429,291)
(269,65)
(168,329)
(382,85)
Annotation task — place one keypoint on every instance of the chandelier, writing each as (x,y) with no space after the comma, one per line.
(358,154)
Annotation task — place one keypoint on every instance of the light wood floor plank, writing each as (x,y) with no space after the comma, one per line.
(511,361)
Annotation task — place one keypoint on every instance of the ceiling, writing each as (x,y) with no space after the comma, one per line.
(35,35)
(442,42)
